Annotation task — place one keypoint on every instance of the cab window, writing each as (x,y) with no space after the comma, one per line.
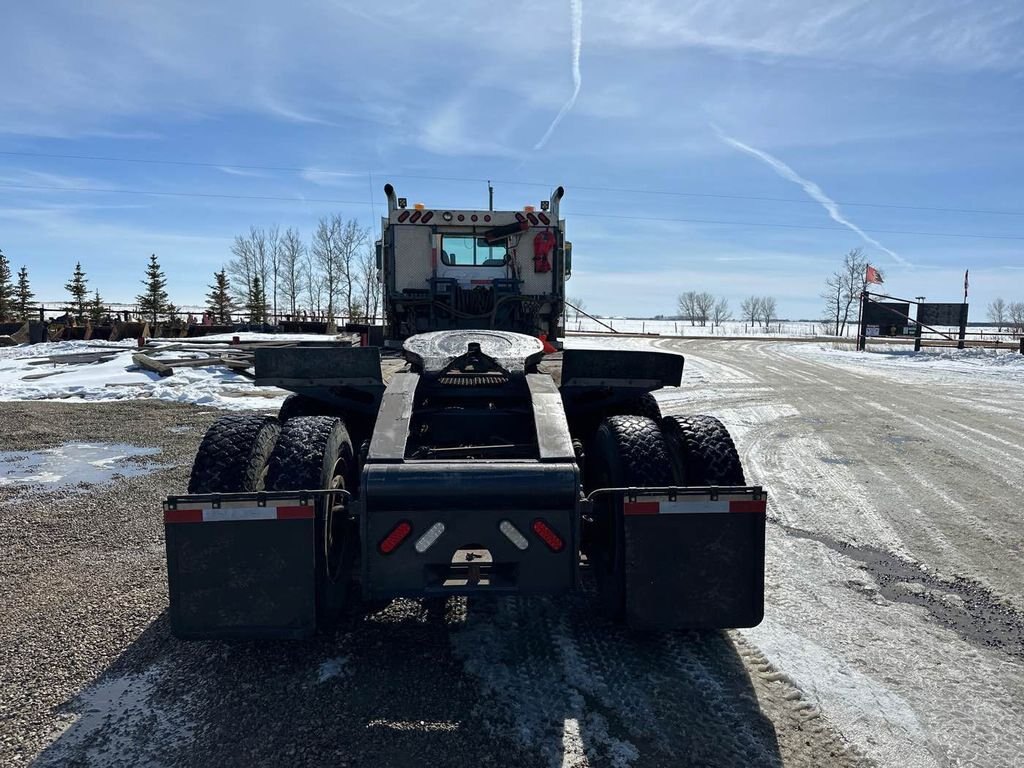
(469,251)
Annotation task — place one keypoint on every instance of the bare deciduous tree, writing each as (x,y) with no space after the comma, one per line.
(854,279)
(1015,314)
(327,255)
(768,311)
(750,309)
(273,249)
(352,240)
(833,296)
(369,284)
(290,267)
(842,291)
(997,312)
(577,305)
(721,312)
(688,306)
(704,302)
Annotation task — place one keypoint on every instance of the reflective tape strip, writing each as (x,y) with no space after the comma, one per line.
(693,505)
(760,506)
(237,514)
(295,513)
(183,515)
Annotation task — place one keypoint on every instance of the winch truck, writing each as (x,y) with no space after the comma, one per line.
(460,458)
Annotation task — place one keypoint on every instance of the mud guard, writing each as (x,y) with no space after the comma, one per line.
(242,565)
(694,561)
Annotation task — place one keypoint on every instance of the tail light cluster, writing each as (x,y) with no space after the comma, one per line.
(402,530)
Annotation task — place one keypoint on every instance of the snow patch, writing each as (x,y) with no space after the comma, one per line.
(331,668)
(120,379)
(72,464)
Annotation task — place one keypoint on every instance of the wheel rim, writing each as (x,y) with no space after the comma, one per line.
(337,483)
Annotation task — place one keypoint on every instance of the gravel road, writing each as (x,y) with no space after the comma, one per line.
(895,587)
(892,637)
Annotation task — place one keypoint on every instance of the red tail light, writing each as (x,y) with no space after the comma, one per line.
(398,534)
(403,216)
(427,216)
(532,218)
(415,217)
(547,534)
(543,217)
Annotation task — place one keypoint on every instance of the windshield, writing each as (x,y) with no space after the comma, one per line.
(469,251)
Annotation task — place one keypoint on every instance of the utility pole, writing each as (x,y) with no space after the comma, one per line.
(490,196)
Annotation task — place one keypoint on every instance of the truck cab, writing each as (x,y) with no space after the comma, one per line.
(447,269)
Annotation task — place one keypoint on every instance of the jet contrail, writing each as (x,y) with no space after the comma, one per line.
(576,10)
(811,189)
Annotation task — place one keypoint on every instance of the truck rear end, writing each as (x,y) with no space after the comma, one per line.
(473,465)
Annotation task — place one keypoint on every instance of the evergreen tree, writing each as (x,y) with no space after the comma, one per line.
(79,291)
(219,300)
(257,303)
(153,303)
(96,308)
(6,288)
(23,294)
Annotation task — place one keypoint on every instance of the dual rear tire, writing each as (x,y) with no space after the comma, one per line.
(249,453)
(638,451)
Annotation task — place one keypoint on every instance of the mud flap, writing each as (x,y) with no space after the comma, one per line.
(692,569)
(241,569)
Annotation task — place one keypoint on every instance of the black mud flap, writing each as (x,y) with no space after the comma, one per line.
(241,568)
(692,569)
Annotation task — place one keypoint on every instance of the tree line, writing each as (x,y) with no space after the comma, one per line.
(1007,316)
(701,307)
(271,274)
(333,276)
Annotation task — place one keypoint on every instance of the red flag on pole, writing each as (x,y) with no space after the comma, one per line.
(872,275)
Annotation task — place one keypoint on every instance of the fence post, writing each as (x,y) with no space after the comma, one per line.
(1022,345)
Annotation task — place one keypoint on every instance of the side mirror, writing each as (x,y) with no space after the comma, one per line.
(380,255)
(568,259)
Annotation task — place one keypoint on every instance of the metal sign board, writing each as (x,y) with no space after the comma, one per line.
(942,314)
(890,317)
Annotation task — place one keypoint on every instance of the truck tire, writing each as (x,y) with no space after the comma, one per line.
(702,451)
(626,451)
(299,405)
(315,453)
(647,405)
(232,458)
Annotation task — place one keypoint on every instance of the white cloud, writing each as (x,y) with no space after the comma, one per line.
(912,33)
(813,191)
(576,11)
(331,178)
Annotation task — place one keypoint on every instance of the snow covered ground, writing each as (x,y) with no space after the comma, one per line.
(119,378)
(935,364)
(895,598)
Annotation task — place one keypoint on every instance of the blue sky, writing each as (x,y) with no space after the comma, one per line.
(915,104)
